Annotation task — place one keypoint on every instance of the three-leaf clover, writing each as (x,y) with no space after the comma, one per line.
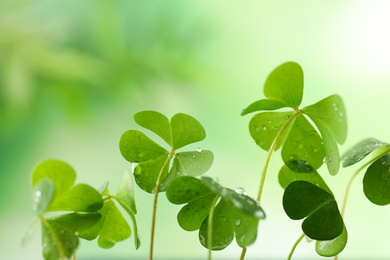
(153,160)
(304,150)
(236,214)
(53,187)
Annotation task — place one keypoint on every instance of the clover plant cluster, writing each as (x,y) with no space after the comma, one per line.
(308,138)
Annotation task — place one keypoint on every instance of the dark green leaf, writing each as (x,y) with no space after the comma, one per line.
(264,128)
(146,173)
(359,151)
(186,189)
(80,198)
(76,222)
(332,247)
(285,84)
(43,194)
(264,104)
(62,175)
(135,146)
(376,181)
(57,242)
(329,113)
(155,122)
(186,130)
(303,150)
(323,220)
(287,176)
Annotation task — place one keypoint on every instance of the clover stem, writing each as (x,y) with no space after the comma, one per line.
(295,246)
(56,238)
(210,229)
(297,112)
(158,182)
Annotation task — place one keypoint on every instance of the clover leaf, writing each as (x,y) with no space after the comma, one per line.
(91,216)
(332,247)
(360,151)
(154,160)
(302,199)
(284,88)
(235,214)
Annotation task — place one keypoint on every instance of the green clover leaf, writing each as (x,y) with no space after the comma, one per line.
(235,214)
(360,151)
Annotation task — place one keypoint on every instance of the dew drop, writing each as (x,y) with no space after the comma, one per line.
(264,128)
(193,156)
(269,121)
(237,222)
(178,173)
(199,150)
(240,190)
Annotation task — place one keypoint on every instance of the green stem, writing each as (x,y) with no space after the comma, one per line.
(295,246)
(158,182)
(210,228)
(353,178)
(297,112)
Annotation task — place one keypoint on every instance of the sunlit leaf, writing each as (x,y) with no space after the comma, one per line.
(57,242)
(359,151)
(329,113)
(376,181)
(80,198)
(285,84)
(155,122)
(193,163)
(263,104)
(265,126)
(62,175)
(235,214)
(43,194)
(332,247)
(332,156)
(303,150)
(323,221)
(103,190)
(287,176)
(125,196)
(186,130)
(135,146)
(27,238)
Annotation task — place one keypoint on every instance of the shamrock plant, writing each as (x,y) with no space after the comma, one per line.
(308,138)
(303,149)
(90,213)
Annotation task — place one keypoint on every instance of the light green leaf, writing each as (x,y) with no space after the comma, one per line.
(80,198)
(57,242)
(376,181)
(186,130)
(285,84)
(135,146)
(264,128)
(323,220)
(193,163)
(155,122)
(332,247)
(43,194)
(287,176)
(62,175)
(146,173)
(125,196)
(359,151)
(329,113)
(303,150)
(103,190)
(263,104)
(114,227)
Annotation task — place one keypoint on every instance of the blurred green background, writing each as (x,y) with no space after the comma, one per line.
(72,74)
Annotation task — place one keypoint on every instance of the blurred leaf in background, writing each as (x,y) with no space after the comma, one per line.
(68,60)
